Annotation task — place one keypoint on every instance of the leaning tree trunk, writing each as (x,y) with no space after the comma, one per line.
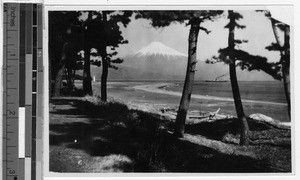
(104,74)
(244,139)
(189,80)
(276,35)
(87,80)
(286,67)
(60,71)
(285,61)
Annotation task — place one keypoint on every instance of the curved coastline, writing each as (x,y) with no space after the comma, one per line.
(159,88)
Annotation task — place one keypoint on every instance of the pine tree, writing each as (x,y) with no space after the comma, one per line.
(107,37)
(231,55)
(195,19)
(233,17)
(63,46)
(284,49)
(237,57)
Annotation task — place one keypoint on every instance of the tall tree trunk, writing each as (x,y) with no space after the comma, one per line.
(60,71)
(244,139)
(286,67)
(104,63)
(87,80)
(70,79)
(189,80)
(51,84)
(58,81)
(104,76)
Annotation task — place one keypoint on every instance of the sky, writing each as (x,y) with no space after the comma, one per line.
(258,32)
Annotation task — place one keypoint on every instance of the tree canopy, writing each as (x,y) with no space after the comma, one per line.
(245,60)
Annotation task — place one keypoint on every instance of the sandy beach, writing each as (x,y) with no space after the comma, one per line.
(157,95)
(157,88)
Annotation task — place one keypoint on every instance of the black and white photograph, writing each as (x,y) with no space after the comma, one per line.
(186,90)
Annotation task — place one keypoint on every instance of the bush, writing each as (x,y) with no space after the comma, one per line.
(94,106)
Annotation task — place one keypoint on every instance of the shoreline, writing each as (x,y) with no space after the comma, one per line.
(155,95)
(158,88)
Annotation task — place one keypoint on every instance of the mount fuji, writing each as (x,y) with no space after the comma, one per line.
(160,62)
(156,61)
(158,49)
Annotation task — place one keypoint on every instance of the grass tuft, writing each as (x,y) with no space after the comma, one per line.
(113,138)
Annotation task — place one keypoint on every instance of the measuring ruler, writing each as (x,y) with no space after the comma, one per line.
(11,92)
(22,91)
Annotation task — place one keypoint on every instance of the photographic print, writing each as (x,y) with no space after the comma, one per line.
(169,91)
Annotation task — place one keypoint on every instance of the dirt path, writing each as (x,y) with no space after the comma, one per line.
(73,140)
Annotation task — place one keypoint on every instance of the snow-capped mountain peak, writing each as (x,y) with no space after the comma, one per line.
(158,49)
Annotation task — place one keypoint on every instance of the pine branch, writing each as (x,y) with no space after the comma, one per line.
(235,15)
(238,41)
(240,26)
(248,62)
(255,62)
(96,63)
(213,60)
(117,61)
(205,30)
(235,24)
(274,47)
(113,67)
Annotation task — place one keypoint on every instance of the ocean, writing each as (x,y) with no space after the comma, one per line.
(268,91)
(271,91)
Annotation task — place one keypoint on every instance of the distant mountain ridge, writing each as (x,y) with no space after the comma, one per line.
(160,62)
